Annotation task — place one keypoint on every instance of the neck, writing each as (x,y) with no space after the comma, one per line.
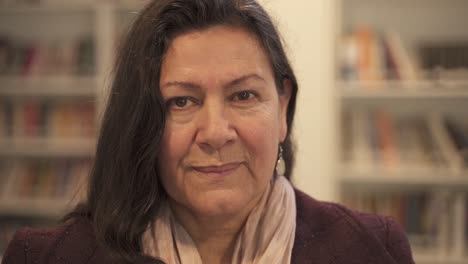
(214,236)
(217,246)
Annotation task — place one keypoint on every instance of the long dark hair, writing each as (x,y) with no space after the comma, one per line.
(124,188)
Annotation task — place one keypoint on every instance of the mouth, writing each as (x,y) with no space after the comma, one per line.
(217,170)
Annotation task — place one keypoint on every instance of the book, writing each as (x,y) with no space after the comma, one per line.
(399,60)
(349,58)
(30,179)
(40,58)
(442,139)
(444,55)
(377,140)
(459,137)
(372,57)
(420,213)
(5,54)
(386,139)
(46,119)
(361,156)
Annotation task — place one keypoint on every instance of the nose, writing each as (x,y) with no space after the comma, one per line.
(215,129)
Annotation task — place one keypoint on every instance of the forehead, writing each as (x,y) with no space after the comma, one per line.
(219,53)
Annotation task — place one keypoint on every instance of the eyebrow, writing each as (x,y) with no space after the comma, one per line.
(230,84)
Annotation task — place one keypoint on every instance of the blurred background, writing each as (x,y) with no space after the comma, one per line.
(381,124)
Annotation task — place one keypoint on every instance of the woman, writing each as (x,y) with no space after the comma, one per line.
(190,160)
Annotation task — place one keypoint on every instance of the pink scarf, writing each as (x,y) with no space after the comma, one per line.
(267,236)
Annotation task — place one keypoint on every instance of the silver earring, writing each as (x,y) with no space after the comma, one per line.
(280,164)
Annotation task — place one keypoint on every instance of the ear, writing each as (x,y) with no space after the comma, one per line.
(284,102)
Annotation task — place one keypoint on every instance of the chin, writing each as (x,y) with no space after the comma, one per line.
(219,204)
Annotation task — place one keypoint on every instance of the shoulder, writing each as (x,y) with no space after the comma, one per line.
(332,226)
(72,242)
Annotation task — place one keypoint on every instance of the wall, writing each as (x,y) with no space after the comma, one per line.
(308,28)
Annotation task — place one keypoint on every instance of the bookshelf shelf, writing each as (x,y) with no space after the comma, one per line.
(46,7)
(442,179)
(47,148)
(401,95)
(401,90)
(48,208)
(422,258)
(51,97)
(62,86)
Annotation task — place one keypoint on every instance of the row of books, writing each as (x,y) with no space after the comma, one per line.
(32,118)
(417,213)
(67,57)
(43,179)
(426,217)
(31,180)
(379,139)
(450,55)
(368,55)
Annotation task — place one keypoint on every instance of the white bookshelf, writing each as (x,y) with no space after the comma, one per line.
(41,147)
(103,21)
(416,21)
(405,179)
(39,207)
(438,258)
(51,86)
(442,90)
(51,22)
(43,7)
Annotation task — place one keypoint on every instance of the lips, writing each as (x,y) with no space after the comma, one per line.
(221,170)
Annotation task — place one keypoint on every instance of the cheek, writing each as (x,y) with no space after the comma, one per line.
(175,144)
(260,135)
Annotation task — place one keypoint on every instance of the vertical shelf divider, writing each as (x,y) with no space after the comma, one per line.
(459,227)
(105,52)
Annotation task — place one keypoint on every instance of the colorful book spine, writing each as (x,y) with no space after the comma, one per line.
(380,140)
(33,118)
(67,57)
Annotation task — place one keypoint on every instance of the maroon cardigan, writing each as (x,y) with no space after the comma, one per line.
(325,233)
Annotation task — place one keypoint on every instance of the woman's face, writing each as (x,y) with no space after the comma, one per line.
(225,120)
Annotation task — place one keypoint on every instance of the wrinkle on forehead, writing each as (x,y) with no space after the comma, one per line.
(210,56)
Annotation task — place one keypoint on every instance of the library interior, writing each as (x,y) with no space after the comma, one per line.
(382,116)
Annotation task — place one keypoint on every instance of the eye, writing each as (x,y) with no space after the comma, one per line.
(178,103)
(243,96)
